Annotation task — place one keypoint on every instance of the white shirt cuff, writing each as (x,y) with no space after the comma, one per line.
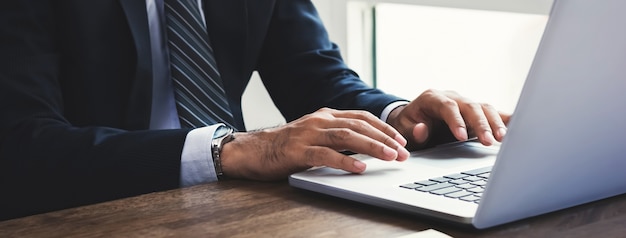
(196,164)
(385,115)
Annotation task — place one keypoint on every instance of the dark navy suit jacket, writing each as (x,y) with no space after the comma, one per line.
(75,92)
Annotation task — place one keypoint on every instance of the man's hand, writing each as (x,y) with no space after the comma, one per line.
(417,120)
(313,140)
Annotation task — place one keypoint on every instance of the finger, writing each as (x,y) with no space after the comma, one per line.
(364,128)
(374,122)
(495,121)
(352,134)
(451,114)
(323,156)
(420,133)
(367,124)
(346,139)
(476,118)
(506,117)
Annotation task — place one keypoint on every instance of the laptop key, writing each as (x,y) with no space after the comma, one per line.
(466,186)
(434,187)
(458,194)
(476,190)
(456,176)
(470,198)
(445,190)
(459,181)
(426,182)
(473,178)
(410,185)
(480,183)
(441,179)
(478,171)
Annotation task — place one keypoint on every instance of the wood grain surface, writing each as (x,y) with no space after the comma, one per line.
(257,209)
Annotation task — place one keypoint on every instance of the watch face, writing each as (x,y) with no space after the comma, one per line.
(221,131)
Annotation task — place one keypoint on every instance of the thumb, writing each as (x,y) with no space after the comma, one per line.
(420,133)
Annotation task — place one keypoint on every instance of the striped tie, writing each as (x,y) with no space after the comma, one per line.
(200,96)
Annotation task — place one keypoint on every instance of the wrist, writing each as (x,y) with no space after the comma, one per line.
(233,155)
(243,157)
(393,118)
(222,136)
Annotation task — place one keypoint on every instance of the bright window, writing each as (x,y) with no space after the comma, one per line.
(484,55)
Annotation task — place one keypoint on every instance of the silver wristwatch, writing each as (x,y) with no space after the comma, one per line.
(223,134)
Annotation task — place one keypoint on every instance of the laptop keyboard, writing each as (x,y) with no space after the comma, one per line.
(466,186)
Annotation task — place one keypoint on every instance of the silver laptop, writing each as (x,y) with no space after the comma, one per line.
(566,143)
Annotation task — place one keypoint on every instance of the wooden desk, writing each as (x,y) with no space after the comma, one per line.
(256,209)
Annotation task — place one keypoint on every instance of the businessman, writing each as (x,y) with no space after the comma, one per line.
(100,100)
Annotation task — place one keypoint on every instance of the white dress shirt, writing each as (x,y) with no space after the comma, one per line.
(196,159)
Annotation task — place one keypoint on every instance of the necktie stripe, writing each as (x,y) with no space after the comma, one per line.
(184,59)
(200,96)
(197,111)
(195,91)
(199,87)
(192,92)
(190,45)
(186,12)
(183,47)
(196,29)
(196,41)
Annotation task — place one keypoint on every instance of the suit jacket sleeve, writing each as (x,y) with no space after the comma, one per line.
(46,162)
(303,70)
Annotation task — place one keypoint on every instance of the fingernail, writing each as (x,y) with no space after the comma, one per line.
(359,165)
(390,153)
(489,137)
(403,153)
(462,132)
(399,138)
(501,132)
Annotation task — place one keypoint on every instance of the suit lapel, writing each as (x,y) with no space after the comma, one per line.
(139,108)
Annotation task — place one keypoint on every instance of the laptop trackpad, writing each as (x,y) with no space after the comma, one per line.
(452,155)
